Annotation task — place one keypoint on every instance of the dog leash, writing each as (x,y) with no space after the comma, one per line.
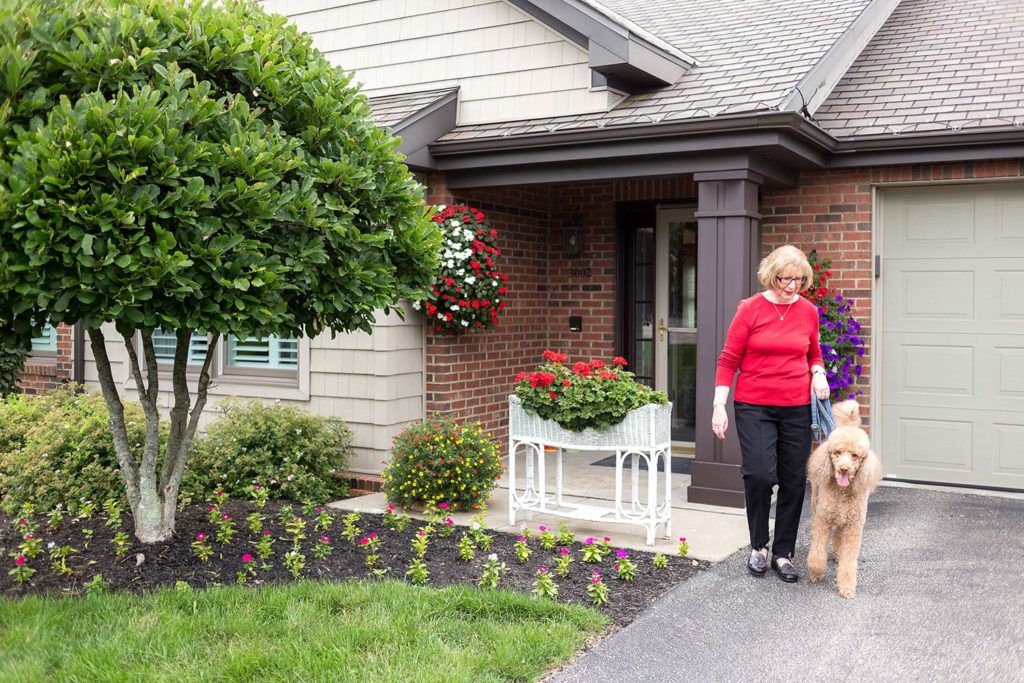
(822,422)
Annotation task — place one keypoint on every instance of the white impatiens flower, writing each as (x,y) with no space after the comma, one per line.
(475,526)
(493,557)
(470,280)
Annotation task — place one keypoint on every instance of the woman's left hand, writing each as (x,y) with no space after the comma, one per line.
(820,385)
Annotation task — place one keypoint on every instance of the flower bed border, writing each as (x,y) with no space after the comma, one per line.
(645,434)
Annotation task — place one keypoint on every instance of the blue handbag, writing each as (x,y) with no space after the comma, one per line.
(822,422)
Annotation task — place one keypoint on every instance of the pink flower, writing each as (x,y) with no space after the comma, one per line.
(200,536)
(444,506)
(19,560)
(267,532)
(542,528)
(421,533)
(373,534)
(246,558)
(522,539)
(22,522)
(257,488)
(682,539)
(363,541)
(30,535)
(219,493)
(607,539)
(590,540)
(565,551)
(209,508)
(325,539)
(390,509)
(542,570)
(595,578)
(621,554)
(319,511)
(225,517)
(448,521)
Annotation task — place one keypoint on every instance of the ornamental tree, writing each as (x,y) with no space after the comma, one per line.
(194,167)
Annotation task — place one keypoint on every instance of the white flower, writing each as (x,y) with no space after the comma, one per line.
(51,544)
(470,280)
(475,526)
(455,308)
(455,223)
(493,557)
(441,207)
(465,323)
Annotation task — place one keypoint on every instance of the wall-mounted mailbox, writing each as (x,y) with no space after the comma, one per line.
(575,323)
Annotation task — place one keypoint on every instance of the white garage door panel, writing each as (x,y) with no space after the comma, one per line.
(951,334)
(983,372)
(948,221)
(954,295)
(974,447)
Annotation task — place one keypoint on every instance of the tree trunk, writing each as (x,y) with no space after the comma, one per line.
(153,499)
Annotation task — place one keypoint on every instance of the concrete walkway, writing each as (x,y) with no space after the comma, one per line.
(940,598)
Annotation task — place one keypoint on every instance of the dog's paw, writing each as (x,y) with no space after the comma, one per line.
(847,590)
(815,574)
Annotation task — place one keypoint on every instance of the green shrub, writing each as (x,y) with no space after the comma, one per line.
(57,448)
(441,461)
(12,360)
(293,454)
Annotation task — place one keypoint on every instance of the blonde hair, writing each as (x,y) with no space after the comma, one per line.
(786,257)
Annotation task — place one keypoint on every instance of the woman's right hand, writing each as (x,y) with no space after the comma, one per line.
(719,420)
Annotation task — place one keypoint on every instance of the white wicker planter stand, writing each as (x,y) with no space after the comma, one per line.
(645,433)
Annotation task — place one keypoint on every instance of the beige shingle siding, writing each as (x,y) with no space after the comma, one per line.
(935,65)
(750,53)
(507,65)
(373,382)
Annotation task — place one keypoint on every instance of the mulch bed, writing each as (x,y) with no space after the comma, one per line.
(145,567)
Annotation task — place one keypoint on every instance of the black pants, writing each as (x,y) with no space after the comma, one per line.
(775,442)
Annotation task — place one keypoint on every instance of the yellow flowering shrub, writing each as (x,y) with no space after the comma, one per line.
(440,461)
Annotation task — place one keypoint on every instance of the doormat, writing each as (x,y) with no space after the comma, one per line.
(680,465)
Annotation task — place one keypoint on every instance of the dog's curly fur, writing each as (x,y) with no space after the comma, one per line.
(843,472)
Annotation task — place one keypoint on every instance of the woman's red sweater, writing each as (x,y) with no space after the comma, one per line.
(774,356)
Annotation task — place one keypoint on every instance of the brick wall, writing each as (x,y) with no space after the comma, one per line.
(831,211)
(470,376)
(43,373)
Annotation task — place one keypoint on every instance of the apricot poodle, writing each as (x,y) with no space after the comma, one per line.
(843,472)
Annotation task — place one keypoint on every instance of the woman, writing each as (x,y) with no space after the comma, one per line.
(773,342)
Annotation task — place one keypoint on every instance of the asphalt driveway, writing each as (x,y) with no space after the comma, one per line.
(940,597)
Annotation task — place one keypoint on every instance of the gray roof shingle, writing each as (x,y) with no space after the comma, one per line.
(750,55)
(391,110)
(935,65)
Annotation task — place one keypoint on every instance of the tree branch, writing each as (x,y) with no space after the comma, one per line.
(122,447)
(178,466)
(182,400)
(147,397)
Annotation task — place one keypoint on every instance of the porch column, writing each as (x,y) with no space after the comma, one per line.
(728,251)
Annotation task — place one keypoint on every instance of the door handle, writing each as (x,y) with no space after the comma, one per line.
(661,329)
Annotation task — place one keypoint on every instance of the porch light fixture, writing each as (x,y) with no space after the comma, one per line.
(572,241)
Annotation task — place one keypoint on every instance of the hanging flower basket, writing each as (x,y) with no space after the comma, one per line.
(469,292)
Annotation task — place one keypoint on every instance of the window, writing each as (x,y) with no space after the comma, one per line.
(164,344)
(243,356)
(275,353)
(46,342)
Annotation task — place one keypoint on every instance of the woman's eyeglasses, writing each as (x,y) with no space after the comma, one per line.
(787,281)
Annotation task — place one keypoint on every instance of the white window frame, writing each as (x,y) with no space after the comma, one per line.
(246,382)
(49,351)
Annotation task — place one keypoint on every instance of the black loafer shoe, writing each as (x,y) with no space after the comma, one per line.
(757,563)
(785,569)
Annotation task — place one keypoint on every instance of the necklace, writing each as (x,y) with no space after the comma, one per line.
(782,316)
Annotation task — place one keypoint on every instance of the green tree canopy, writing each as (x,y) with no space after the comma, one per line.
(191,166)
(195,166)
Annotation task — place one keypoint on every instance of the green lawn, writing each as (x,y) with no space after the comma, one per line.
(375,631)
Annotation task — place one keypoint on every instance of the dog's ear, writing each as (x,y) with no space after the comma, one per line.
(870,473)
(819,467)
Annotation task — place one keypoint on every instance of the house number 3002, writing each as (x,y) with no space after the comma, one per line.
(580,272)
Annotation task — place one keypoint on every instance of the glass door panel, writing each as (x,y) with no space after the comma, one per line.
(676,312)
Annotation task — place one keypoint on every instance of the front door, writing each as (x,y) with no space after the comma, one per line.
(675,308)
(660,312)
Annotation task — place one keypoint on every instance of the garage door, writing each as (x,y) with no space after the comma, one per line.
(951,356)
